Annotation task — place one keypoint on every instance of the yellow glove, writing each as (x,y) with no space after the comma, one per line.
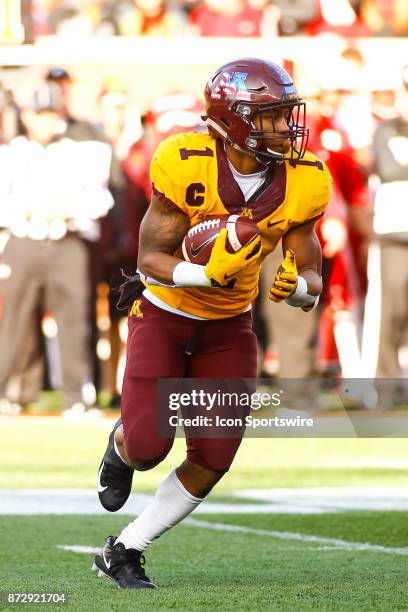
(286,279)
(223,266)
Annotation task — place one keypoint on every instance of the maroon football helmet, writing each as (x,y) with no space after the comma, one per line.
(247,87)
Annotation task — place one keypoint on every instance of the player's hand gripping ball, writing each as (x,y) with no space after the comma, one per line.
(286,279)
(225,245)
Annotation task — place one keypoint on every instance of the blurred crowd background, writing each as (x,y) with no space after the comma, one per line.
(217,17)
(76,136)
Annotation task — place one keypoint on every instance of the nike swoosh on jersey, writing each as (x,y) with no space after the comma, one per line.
(101,488)
(194,251)
(271,223)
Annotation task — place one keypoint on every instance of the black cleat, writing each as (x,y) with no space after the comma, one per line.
(114,477)
(124,566)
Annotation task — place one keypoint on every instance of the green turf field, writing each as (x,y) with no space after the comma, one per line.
(199,569)
(347,560)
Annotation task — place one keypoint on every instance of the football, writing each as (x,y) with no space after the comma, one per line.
(199,240)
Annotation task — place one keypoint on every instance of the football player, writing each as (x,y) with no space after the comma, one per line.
(190,320)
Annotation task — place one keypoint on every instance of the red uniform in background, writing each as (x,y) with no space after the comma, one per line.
(348,28)
(245,22)
(344,271)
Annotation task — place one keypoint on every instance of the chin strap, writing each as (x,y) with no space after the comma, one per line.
(272,157)
(270,160)
(253,154)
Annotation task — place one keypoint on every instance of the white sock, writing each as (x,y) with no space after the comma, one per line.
(117,450)
(171,503)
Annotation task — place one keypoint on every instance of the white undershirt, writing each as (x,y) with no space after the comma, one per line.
(248,183)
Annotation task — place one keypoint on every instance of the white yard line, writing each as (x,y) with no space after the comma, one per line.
(298,537)
(77,548)
(295,501)
(326,544)
(274,501)
(85,501)
(332,499)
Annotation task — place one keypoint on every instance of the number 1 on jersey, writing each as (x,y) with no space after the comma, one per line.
(186,153)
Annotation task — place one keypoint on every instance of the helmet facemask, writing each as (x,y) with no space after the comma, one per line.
(260,140)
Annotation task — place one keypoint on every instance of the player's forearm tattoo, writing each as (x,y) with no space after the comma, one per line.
(163,229)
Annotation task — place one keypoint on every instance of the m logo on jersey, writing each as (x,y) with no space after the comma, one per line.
(230,84)
(247,212)
(135,310)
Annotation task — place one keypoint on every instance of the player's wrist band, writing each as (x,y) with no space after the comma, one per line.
(187,274)
(301,298)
